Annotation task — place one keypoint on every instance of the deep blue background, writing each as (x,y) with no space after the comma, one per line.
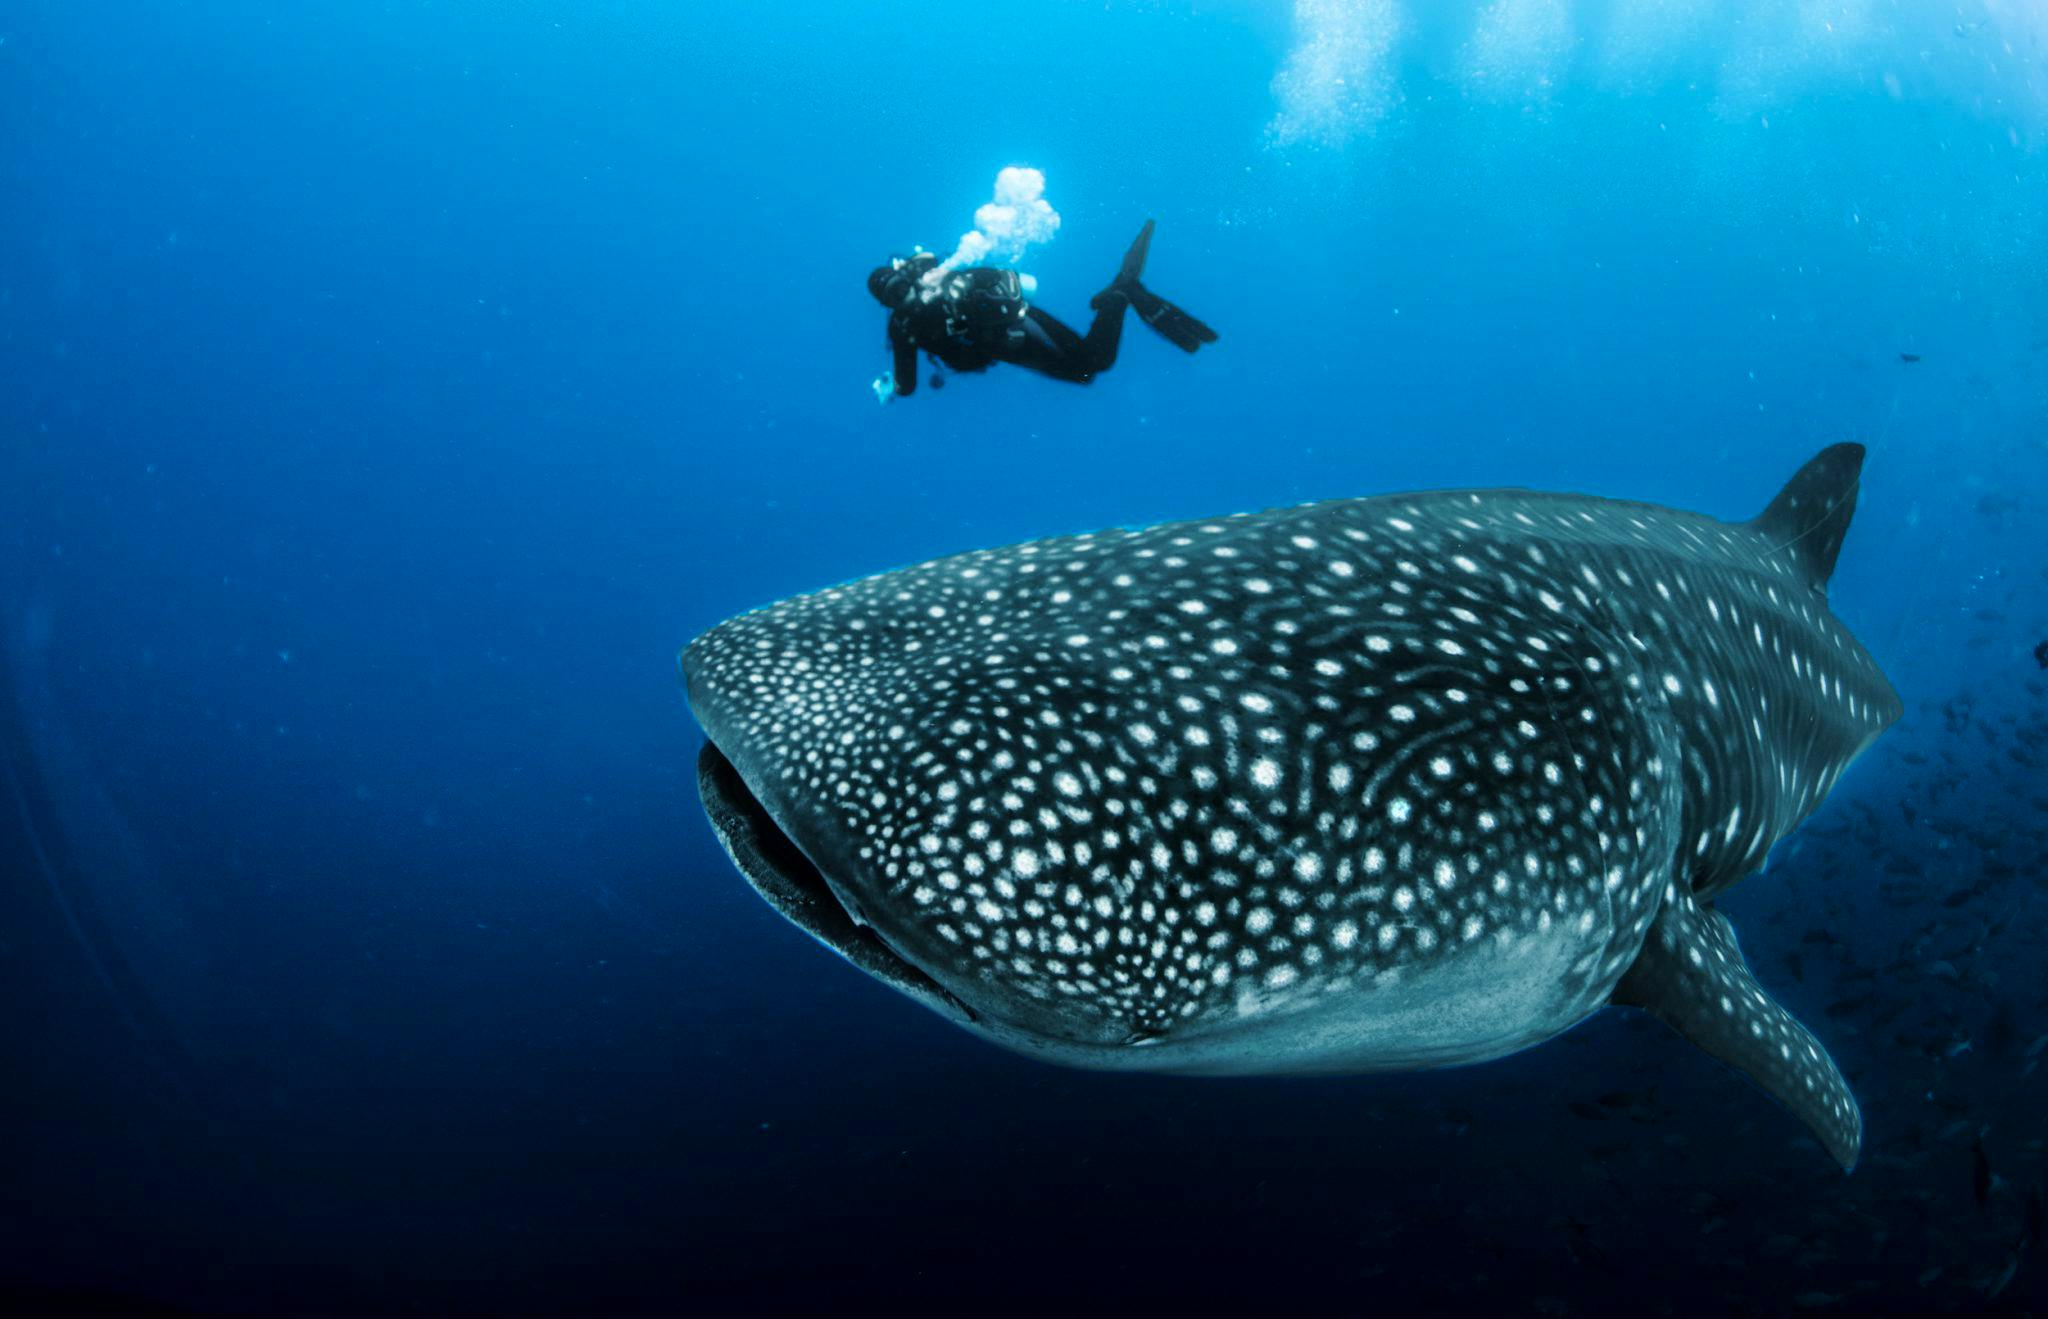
(388,390)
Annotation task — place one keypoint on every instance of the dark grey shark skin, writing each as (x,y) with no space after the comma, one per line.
(1368,784)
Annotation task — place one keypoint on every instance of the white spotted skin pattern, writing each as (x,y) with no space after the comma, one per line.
(1770,696)
(1370,783)
(1696,980)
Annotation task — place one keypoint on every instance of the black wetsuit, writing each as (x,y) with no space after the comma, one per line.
(971,319)
(977,317)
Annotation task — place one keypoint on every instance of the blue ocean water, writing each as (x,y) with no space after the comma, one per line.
(391,389)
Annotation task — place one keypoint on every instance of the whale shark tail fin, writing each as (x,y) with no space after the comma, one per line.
(1691,975)
(1811,514)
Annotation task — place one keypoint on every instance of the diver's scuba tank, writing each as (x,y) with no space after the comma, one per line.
(986,299)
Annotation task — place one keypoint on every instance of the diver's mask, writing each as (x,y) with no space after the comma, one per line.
(895,284)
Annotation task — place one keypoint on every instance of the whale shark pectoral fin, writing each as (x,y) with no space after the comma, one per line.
(1691,975)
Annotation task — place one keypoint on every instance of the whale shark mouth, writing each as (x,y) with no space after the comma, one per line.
(792,884)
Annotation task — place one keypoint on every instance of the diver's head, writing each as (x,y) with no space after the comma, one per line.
(891,287)
(895,284)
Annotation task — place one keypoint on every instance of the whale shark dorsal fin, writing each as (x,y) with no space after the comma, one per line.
(1811,514)
(1692,976)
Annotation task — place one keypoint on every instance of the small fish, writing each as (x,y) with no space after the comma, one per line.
(1909,358)
(2003,1031)
(1780,1244)
(1844,1007)
(1983,1177)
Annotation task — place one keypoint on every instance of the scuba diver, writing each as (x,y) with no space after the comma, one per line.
(971,319)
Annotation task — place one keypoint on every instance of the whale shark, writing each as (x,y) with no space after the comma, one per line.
(1368,784)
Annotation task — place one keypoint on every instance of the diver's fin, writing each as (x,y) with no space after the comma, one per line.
(1134,260)
(1176,326)
(1691,974)
(1811,514)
